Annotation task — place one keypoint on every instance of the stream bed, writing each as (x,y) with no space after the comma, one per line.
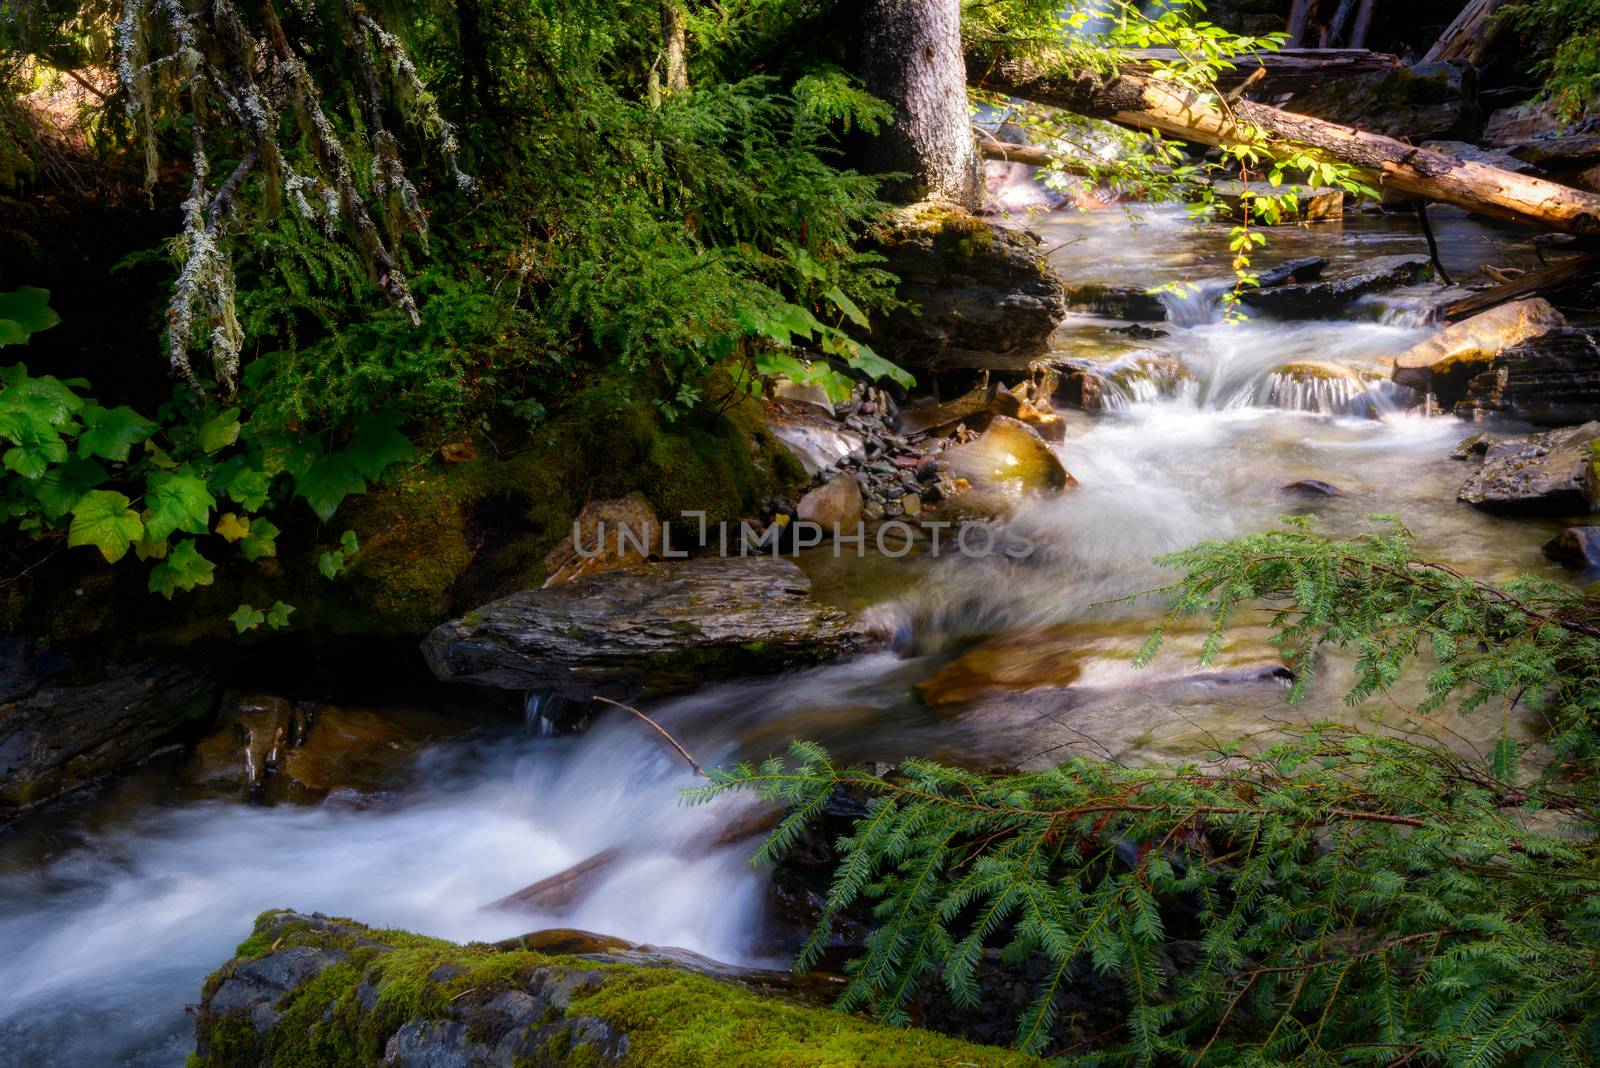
(113,907)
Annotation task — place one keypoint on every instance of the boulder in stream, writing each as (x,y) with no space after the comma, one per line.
(834,505)
(1554,473)
(1443,363)
(1009,454)
(1552,379)
(654,628)
(304,985)
(1576,546)
(1331,294)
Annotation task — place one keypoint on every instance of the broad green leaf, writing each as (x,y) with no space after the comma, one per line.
(24,312)
(328,481)
(330,564)
(869,363)
(348,542)
(149,548)
(183,569)
(237,480)
(103,519)
(38,446)
(377,443)
(278,617)
(261,540)
(111,433)
(246,618)
(62,487)
(177,500)
(231,527)
(220,431)
(846,305)
(45,399)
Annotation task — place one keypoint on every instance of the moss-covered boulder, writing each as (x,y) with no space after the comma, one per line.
(314,992)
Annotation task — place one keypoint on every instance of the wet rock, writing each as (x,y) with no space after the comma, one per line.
(1140,331)
(1427,101)
(834,505)
(1011,454)
(946,415)
(1329,296)
(984,295)
(806,393)
(653,628)
(1098,387)
(606,535)
(1576,546)
(1554,473)
(67,720)
(247,744)
(1552,379)
(1291,272)
(1443,363)
(410,1002)
(1522,122)
(1313,487)
(817,441)
(1116,301)
(1474,448)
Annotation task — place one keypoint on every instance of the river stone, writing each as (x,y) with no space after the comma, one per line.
(67,721)
(653,628)
(1290,272)
(979,294)
(1116,301)
(1010,454)
(247,743)
(1554,473)
(817,441)
(1442,364)
(836,504)
(1578,546)
(1553,379)
(1330,295)
(614,533)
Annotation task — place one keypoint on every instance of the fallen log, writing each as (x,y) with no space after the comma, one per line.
(1287,70)
(1152,104)
(1544,280)
(1472,35)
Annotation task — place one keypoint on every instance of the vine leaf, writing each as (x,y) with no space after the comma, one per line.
(232,528)
(246,618)
(103,519)
(327,482)
(261,541)
(183,569)
(63,486)
(378,443)
(219,431)
(111,433)
(24,312)
(177,500)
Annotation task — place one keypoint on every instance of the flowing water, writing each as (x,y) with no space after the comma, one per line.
(113,908)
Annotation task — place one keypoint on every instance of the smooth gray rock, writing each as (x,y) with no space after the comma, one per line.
(1554,473)
(654,628)
(1553,379)
(1330,295)
(1577,546)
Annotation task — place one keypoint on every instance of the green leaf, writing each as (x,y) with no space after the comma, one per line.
(183,569)
(177,500)
(24,312)
(278,618)
(45,399)
(348,542)
(261,541)
(38,446)
(103,519)
(111,432)
(378,443)
(869,363)
(246,618)
(846,305)
(61,487)
(243,484)
(218,432)
(328,481)
(148,548)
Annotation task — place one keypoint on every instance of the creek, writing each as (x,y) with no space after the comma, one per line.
(113,907)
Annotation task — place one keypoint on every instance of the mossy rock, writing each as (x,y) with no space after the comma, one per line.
(314,992)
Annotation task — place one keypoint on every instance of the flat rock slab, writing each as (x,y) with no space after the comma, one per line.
(1556,473)
(650,629)
(1332,294)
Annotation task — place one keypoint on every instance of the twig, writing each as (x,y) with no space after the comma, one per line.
(698,770)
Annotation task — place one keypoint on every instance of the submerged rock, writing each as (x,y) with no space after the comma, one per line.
(654,628)
(1577,546)
(302,986)
(1553,378)
(1330,295)
(980,295)
(65,724)
(1554,473)
(1009,454)
(1314,487)
(1442,364)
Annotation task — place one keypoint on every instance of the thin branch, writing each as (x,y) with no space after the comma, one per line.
(659,729)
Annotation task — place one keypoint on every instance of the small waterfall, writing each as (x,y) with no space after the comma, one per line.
(1398,309)
(540,713)
(1197,304)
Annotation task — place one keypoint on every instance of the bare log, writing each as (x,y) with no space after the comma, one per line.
(1287,70)
(1150,104)
(1545,279)
(1029,155)
(1472,35)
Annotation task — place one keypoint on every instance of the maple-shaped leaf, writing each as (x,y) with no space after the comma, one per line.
(261,541)
(218,432)
(378,443)
(63,486)
(111,433)
(278,617)
(327,482)
(23,312)
(177,500)
(231,527)
(183,569)
(246,618)
(242,483)
(103,519)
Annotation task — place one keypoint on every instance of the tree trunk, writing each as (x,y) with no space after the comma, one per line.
(908,53)
(676,48)
(1363,26)
(1300,15)
(1147,104)
(1472,36)
(1288,70)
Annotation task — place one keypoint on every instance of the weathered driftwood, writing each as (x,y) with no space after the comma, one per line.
(1152,104)
(1472,35)
(1287,70)
(1544,280)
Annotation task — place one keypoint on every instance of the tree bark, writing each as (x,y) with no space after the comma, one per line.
(1363,26)
(1145,103)
(1300,15)
(908,53)
(1472,36)
(1288,70)
(676,48)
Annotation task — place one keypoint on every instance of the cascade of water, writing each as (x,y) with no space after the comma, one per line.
(536,706)
(1197,304)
